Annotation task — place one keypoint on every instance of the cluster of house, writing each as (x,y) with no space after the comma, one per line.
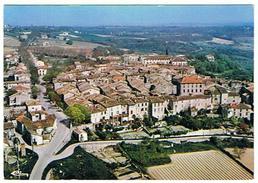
(17,81)
(116,93)
(36,123)
(178,60)
(22,112)
(11,58)
(40,65)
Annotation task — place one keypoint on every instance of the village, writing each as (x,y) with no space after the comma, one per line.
(129,87)
(129,97)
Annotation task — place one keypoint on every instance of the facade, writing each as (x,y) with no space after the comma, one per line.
(179,60)
(233,98)
(219,95)
(9,130)
(42,71)
(80,134)
(184,103)
(158,107)
(161,59)
(18,98)
(190,85)
(240,110)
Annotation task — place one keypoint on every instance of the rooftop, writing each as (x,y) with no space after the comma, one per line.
(193,79)
(33,102)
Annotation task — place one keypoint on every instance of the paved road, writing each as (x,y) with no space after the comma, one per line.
(91,146)
(62,136)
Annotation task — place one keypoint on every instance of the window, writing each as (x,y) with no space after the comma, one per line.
(196,90)
(200,86)
(184,91)
(200,90)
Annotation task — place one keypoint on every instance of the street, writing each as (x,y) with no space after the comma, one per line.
(62,136)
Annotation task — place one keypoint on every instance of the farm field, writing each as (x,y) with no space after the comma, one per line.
(11,41)
(247,158)
(76,44)
(204,165)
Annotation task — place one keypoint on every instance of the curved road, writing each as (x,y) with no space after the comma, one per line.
(60,138)
(91,146)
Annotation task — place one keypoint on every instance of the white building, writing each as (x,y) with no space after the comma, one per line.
(36,123)
(191,85)
(80,134)
(158,107)
(240,110)
(130,58)
(233,98)
(138,108)
(219,95)
(161,59)
(183,103)
(210,57)
(18,98)
(179,60)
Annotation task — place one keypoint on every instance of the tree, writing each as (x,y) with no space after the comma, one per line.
(172,120)
(76,114)
(34,91)
(54,97)
(69,42)
(136,125)
(147,121)
(222,111)
(216,141)
(84,111)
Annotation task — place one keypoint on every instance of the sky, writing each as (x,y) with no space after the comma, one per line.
(155,15)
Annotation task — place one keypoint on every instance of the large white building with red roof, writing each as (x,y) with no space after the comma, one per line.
(191,85)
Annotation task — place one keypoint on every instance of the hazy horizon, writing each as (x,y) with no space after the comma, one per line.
(123,15)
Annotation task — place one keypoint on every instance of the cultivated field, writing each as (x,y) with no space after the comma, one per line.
(76,44)
(11,41)
(204,165)
(247,158)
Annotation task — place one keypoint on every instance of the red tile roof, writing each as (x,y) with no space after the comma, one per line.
(194,79)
